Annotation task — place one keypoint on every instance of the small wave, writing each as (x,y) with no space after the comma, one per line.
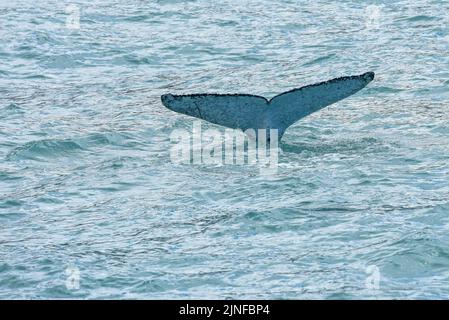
(11,109)
(384,89)
(107,138)
(420,18)
(136,18)
(53,148)
(37,76)
(36,150)
(10,203)
(343,146)
(63,61)
(318,60)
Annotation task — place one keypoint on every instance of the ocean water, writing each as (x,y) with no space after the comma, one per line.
(91,205)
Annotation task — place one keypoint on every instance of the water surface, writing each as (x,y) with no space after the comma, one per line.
(86,181)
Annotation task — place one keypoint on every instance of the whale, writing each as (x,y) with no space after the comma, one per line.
(247,111)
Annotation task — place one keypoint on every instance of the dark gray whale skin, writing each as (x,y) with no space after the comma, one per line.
(246,111)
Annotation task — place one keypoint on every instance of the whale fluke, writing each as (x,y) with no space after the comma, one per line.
(246,111)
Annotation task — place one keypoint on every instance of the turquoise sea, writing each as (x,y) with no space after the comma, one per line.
(92,207)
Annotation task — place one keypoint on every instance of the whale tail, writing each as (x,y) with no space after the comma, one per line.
(245,111)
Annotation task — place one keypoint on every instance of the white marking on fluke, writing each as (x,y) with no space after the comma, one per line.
(246,111)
